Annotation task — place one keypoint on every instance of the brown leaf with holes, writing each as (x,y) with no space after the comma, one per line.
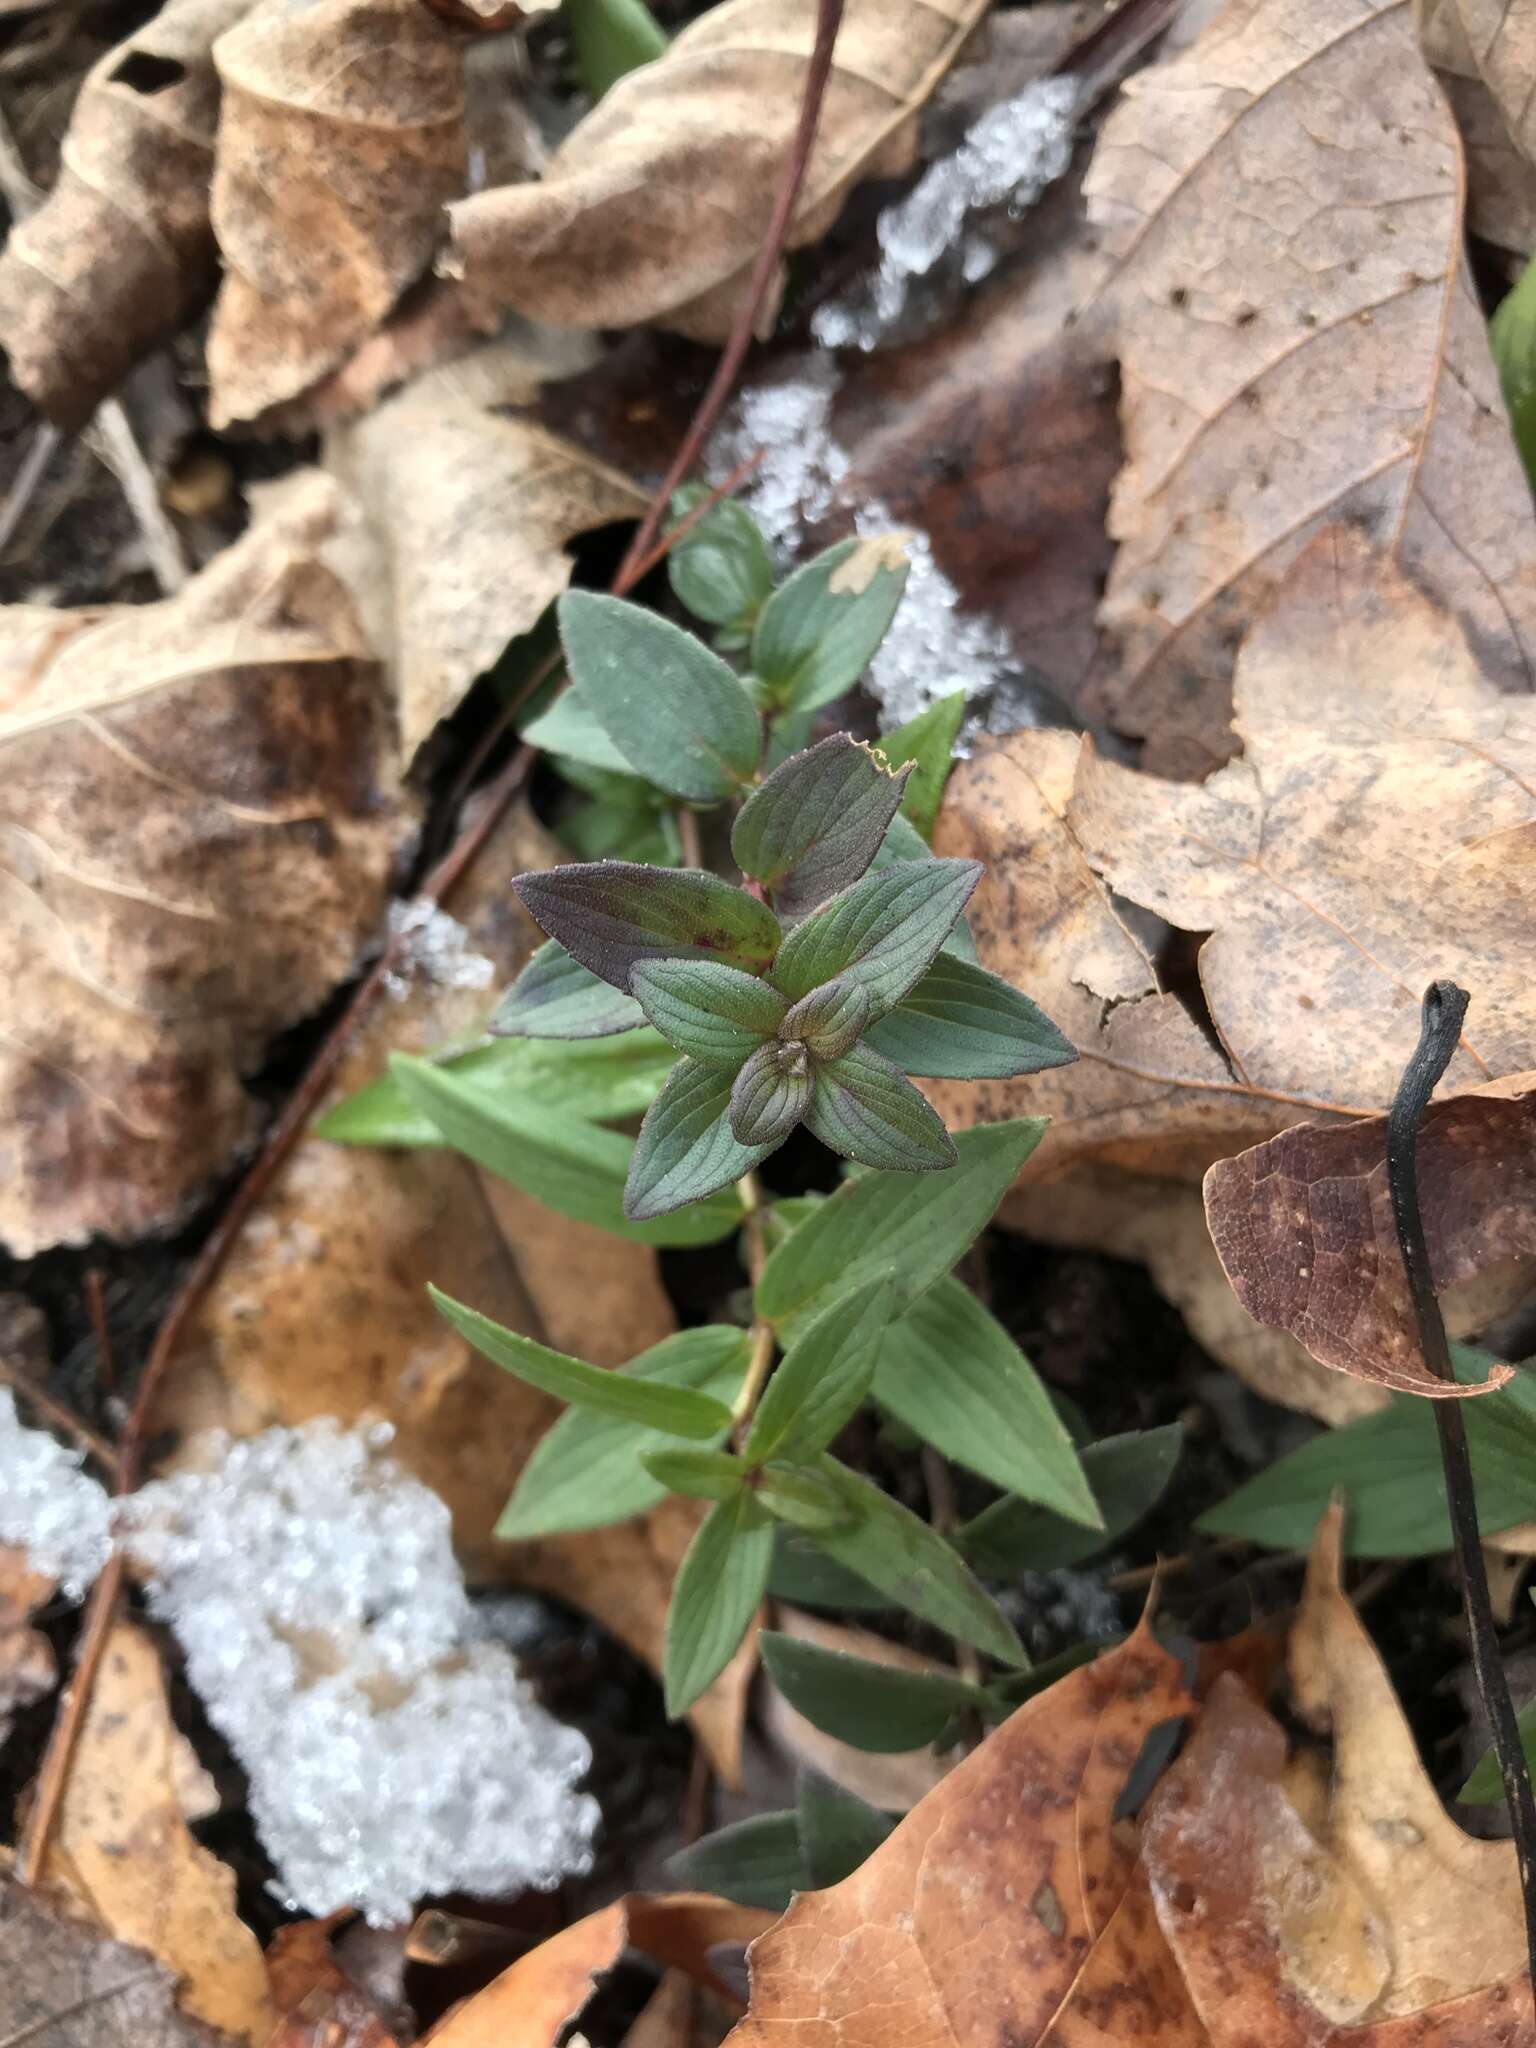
(652,209)
(201,815)
(1299,340)
(341,139)
(122,1851)
(121,254)
(1008,1906)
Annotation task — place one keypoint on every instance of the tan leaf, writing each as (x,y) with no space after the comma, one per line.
(652,210)
(1299,341)
(65,1984)
(1007,1906)
(340,140)
(121,253)
(1499,38)
(1501,182)
(201,814)
(318,2004)
(28,1668)
(122,1850)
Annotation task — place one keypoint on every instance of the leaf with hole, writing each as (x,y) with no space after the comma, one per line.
(816,823)
(611,914)
(556,997)
(866,1109)
(873,1706)
(823,1377)
(712,1012)
(1127,1475)
(817,632)
(720,1586)
(962,1023)
(686,1149)
(881,934)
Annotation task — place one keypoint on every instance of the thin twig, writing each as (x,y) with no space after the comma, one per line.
(101,1328)
(1445,1005)
(62,1416)
(829,16)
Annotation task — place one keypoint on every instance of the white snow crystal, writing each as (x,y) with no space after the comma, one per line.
(49,1508)
(1010,155)
(436,948)
(392,1750)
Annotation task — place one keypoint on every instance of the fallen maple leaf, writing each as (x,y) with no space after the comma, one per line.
(1299,340)
(653,208)
(121,254)
(202,810)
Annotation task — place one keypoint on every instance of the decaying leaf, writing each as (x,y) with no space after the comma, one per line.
(341,139)
(318,2004)
(123,1853)
(1494,40)
(64,1984)
(1008,1906)
(202,811)
(1299,341)
(121,253)
(652,210)
(28,1667)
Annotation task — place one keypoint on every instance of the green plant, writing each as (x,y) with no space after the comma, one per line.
(809,993)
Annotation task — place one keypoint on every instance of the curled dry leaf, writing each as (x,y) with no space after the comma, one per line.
(202,810)
(652,210)
(121,253)
(340,141)
(1008,1905)
(1494,40)
(1298,341)
(122,1851)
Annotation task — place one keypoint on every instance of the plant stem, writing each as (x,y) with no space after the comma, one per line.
(760,1360)
(1444,1007)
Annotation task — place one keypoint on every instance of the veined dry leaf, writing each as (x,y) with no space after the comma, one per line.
(1501,182)
(1008,1906)
(1299,341)
(653,208)
(121,253)
(340,140)
(64,1984)
(122,1850)
(201,813)
(1496,41)
(318,2004)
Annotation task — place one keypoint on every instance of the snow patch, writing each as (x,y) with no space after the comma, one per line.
(392,1749)
(49,1508)
(434,947)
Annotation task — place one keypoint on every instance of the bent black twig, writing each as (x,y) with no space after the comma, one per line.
(1445,1005)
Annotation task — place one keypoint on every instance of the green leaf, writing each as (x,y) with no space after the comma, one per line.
(823,1377)
(573,1167)
(807,1577)
(801,1498)
(915,1224)
(610,38)
(586,1471)
(1512,337)
(815,635)
(902,843)
(720,568)
(676,1411)
(828,1020)
(1128,1475)
(711,1012)
(816,823)
(950,1371)
(719,1587)
(771,1094)
(754,1862)
(961,1023)
(676,712)
(838,1832)
(556,997)
(601,1079)
(867,1109)
(894,1550)
(1485,1787)
(606,831)
(612,914)
(872,1706)
(686,1149)
(928,742)
(700,1475)
(571,729)
(880,935)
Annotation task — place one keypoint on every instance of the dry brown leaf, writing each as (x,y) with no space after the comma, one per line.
(341,139)
(123,1853)
(64,1984)
(1298,341)
(318,2004)
(1494,40)
(1304,1228)
(1008,1906)
(28,1668)
(1501,183)
(652,210)
(201,814)
(121,253)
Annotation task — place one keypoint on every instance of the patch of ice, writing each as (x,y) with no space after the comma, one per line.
(49,1508)
(1009,156)
(435,948)
(392,1750)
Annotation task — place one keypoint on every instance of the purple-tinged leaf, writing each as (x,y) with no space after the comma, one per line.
(828,1020)
(771,1094)
(881,934)
(686,1148)
(962,1023)
(868,1110)
(610,914)
(817,823)
(556,997)
(712,1013)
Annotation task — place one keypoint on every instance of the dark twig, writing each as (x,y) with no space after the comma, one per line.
(829,17)
(1445,1005)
